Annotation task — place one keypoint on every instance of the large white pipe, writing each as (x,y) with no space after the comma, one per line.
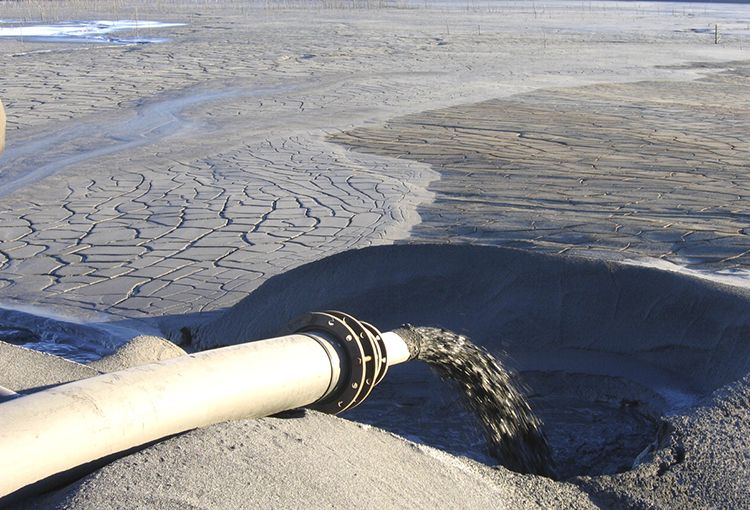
(7,394)
(56,430)
(398,351)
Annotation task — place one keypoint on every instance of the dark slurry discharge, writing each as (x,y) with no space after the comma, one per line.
(514,434)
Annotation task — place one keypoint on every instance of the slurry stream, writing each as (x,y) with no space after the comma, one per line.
(514,434)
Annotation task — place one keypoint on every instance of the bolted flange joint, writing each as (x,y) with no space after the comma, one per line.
(365,351)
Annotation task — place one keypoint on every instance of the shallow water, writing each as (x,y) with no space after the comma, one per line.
(65,336)
(27,162)
(83,31)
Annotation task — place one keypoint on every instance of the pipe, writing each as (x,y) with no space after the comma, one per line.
(7,394)
(331,363)
(398,350)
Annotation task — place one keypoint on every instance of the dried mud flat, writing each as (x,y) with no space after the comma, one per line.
(153,181)
(169,178)
(646,169)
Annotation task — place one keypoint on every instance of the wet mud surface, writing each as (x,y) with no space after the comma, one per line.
(135,186)
(595,424)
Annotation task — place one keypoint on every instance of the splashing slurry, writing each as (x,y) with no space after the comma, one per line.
(514,434)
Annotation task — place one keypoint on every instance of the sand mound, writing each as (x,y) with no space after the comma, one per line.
(530,305)
(318,461)
(610,354)
(138,351)
(631,369)
(314,461)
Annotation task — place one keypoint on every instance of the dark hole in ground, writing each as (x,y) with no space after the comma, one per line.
(595,424)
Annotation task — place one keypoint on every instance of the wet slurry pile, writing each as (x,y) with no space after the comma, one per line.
(514,434)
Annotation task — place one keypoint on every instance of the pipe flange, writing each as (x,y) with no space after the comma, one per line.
(382,351)
(373,353)
(345,395)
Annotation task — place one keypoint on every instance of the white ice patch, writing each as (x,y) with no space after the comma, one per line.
(83,31)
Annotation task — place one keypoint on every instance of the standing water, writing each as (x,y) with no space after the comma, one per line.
(514,434)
